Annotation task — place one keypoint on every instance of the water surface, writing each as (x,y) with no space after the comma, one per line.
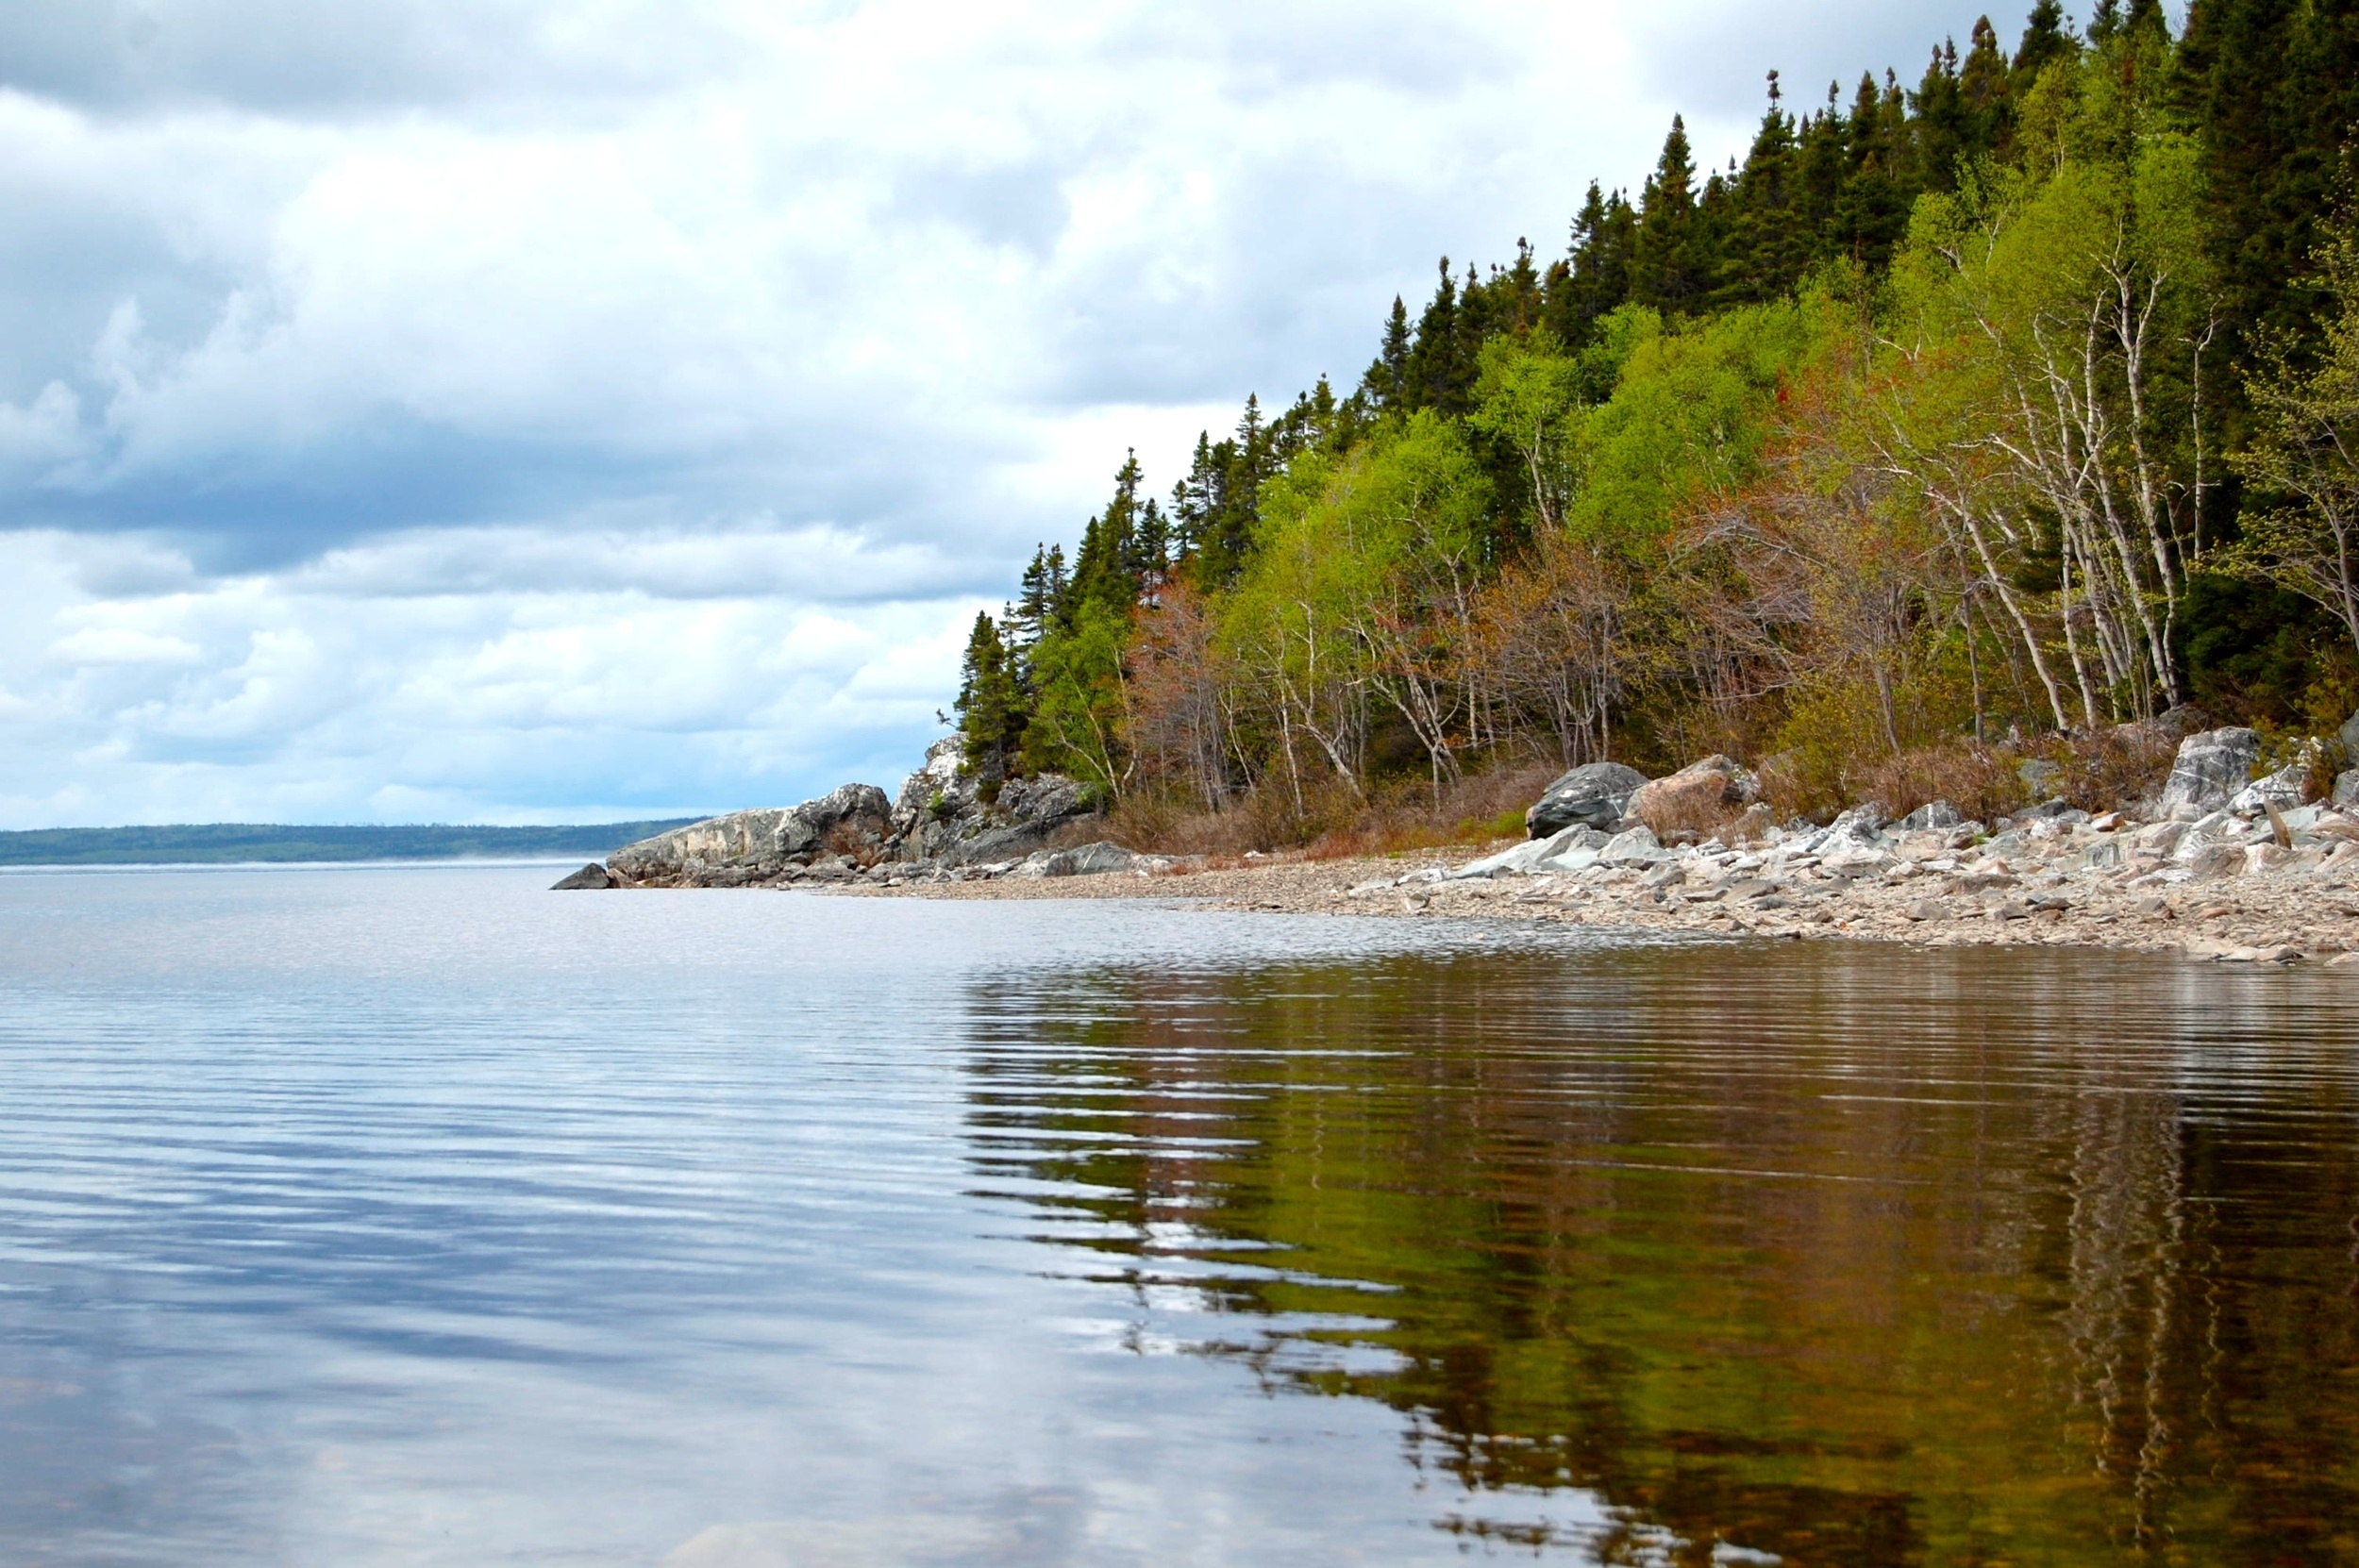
(418,1216)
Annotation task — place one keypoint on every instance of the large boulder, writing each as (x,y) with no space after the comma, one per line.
(942,817)
(1595,794)
(1697,798)
(753,847)
(1527,856)
(2286,789)
(1931,816)
(591,875)
(1636,847)
(2212,768)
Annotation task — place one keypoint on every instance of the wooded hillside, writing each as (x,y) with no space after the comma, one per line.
(2016,402)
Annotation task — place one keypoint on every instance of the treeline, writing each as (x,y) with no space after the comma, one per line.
(2021,400)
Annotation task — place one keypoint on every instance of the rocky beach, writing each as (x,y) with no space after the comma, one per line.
(2219,865)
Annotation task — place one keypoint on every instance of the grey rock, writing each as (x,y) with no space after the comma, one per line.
(1594,794)
(2210,768)
(1528,857)
(2054,809)
(941,814)
(2346,787)
(2348,737)
(1860,825)
(2218,859)
(2105,854)
(2286,788)
(1635,847)
(748,846)
(2041,778)
(1938,813)
(1090,859)
(591,875)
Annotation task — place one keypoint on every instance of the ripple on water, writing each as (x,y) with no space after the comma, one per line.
(418,1216)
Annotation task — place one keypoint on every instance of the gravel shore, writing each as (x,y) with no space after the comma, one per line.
(2219,889)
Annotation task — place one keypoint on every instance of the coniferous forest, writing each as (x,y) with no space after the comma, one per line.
(1960,417)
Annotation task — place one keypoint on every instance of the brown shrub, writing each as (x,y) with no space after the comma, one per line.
(2117,769)
(849,838)
(1696,802)
(1980,780)
(1334,822)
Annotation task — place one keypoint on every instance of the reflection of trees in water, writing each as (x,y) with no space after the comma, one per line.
(1831,1255)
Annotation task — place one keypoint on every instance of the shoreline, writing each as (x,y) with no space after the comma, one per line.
(2288,913)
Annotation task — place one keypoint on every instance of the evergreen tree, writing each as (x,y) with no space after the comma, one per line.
(2274,86)
(1039,605)
(2044,41)
(1111,567)
(991,716)
(1387,375)
(1767,246)
(1666,268)
(1440,370)
(1595,280)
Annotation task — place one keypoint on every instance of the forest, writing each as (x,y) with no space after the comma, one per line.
(1958,423)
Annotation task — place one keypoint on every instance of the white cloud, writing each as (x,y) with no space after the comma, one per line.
(415,405)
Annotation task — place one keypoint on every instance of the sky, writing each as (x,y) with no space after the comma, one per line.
(518,412)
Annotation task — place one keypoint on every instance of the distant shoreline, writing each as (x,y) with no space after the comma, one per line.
(273,843)
(413,862)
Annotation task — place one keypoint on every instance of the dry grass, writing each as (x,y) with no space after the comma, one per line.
(2119,767)
(1334,822)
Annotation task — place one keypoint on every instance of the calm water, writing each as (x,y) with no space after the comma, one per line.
(418,1216)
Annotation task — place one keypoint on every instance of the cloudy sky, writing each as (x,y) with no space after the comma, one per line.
(500,410)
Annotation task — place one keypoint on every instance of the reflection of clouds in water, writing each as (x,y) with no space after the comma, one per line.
(1042,1525)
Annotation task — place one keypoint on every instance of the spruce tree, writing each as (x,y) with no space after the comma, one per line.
(2044,41)
(1666,269)
(990,715)
(1767,247)
(1594,278)
(1387,375)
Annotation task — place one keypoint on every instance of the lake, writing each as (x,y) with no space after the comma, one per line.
(417,1215)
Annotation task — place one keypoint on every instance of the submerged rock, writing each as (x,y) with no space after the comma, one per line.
(591,875)
(1595,794)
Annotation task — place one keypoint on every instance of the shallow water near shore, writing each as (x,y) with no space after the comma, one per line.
(418,1216)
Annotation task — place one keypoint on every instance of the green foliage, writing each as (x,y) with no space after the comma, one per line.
(1077,701)
(1910,425)
(990,706)
(2252,649)
(1690,411)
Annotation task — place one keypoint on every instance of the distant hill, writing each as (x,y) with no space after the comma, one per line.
(215,842)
